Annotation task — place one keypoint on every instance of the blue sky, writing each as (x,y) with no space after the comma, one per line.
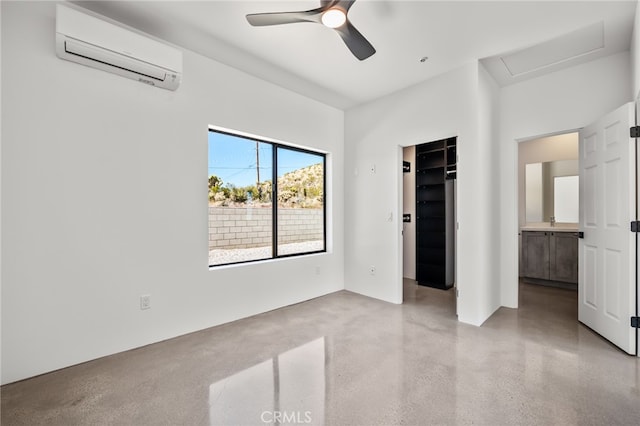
(233,159)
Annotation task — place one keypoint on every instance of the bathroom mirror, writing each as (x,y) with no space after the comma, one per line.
(551,189)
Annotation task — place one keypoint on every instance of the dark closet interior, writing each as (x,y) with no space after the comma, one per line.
(435,213)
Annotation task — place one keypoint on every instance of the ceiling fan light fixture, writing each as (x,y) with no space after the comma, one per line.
(334,18)
(332,14)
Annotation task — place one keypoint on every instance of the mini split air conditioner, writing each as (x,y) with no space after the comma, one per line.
(94,42)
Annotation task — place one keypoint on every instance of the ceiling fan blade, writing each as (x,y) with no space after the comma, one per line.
(345,4)
(357,44)
(278,18)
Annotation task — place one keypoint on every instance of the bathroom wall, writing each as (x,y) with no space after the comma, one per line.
(540,150)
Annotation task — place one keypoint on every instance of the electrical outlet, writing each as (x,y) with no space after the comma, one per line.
(145,301)
(372,270)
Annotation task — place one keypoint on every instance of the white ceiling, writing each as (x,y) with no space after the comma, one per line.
(312,59)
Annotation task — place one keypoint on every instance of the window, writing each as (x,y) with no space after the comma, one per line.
(252,219)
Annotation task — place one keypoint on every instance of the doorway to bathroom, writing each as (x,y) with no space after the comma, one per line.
(548,207)
(606,236)
(548,204)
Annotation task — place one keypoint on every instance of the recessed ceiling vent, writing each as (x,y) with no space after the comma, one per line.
(556,50)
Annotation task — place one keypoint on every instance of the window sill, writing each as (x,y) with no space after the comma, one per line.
(263,261)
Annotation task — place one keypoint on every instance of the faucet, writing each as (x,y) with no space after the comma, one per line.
(552,220)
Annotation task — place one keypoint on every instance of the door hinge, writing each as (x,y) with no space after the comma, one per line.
(635,322)
(635,131)
(635,226)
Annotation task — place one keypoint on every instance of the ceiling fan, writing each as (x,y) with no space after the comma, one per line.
(331,13)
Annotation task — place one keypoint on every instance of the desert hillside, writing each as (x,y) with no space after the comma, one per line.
(302,188)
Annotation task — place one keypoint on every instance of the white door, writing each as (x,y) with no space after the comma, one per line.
(607,262)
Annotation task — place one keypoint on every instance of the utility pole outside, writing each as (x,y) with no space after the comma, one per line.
(257,164)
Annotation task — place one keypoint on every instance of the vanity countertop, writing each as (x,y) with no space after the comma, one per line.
(546,227)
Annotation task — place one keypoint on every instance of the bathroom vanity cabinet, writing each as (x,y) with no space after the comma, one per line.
(550,256)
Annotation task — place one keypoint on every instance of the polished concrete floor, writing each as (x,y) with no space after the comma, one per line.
(345,359)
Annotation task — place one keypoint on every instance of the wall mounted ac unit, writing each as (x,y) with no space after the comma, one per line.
(94,42)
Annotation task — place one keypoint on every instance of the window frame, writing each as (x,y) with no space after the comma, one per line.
(274,195)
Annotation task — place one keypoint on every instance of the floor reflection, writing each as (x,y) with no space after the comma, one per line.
(287,389)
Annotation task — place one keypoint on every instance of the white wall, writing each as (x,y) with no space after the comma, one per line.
(488,169)
(561,101)
(635,55)
(442,107)
(1,174)
(104,199)
(409,206)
